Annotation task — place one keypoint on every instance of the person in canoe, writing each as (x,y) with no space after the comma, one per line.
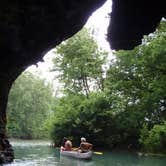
(66,145)
(85,146)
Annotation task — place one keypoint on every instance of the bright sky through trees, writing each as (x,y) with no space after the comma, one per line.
(99,21)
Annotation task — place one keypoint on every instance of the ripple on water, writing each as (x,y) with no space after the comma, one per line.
(22,143)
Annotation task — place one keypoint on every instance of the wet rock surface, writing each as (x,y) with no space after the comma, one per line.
(6,151)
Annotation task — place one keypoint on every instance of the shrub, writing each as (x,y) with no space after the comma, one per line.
(154,140)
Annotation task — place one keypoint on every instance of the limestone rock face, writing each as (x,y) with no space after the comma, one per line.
(132,19)
(6,151)
(29,28)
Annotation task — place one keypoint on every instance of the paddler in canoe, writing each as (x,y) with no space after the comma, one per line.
(85,146)
(66,145)
(83,152)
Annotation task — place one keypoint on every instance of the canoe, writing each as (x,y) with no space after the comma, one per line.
(76,154)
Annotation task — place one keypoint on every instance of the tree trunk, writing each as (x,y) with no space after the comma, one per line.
(6,151)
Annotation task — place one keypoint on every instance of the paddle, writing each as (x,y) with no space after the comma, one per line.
(99,153)
(75,149)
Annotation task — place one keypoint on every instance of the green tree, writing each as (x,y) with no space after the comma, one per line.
(137,82)
(94,118)
(138,78)
(29,104)
(154,140)
(79,61)
(77,116)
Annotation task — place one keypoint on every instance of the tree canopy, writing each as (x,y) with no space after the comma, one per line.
(79,61)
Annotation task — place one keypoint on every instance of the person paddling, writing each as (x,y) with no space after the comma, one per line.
(85,146)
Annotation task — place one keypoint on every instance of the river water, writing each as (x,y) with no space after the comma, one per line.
(38,153)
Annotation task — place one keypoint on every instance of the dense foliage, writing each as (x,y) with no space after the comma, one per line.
(133,96)
(138,78)
(154,140)
(29,107)
(78,116)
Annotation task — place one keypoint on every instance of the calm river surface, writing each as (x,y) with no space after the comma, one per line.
(38,153)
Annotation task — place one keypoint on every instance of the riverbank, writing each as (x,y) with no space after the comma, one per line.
(151,154)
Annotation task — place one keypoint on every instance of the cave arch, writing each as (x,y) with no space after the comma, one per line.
(28,29)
